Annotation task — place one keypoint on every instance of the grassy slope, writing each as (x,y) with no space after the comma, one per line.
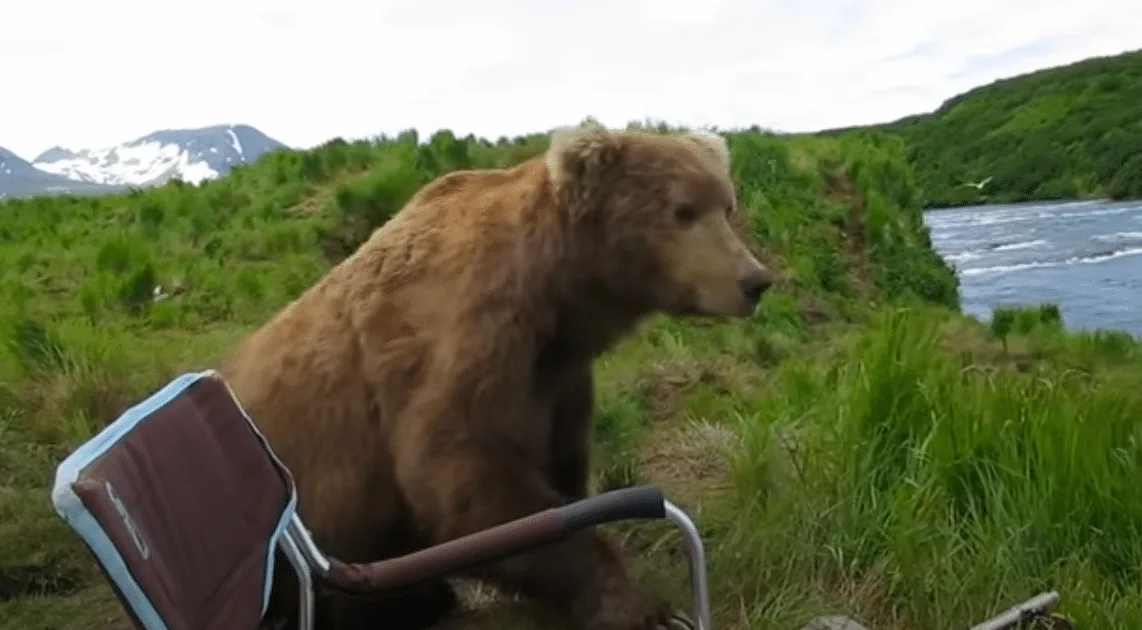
(856,446)
(1065,132)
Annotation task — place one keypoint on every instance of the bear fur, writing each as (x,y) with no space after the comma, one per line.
(438,381)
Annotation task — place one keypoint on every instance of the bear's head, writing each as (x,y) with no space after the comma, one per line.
(652,217)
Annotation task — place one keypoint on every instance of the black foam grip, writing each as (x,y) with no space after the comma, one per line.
(615,505)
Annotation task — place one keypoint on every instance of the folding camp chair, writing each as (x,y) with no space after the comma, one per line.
(182,502)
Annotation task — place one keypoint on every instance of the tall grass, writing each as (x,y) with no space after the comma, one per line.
(943,491)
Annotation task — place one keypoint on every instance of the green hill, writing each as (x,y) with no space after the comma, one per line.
(855,446)
(1073,131)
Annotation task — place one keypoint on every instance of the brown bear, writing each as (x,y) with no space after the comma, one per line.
(438,381)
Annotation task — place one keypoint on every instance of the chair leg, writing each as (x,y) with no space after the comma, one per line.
(304,578)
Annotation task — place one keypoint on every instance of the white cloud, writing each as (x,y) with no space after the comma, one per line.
(82,73)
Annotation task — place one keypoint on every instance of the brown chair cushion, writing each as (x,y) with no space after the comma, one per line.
(182,502)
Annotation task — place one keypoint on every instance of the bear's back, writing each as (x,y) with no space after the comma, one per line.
(373,316)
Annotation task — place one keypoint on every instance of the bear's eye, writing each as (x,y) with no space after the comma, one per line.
(686,213)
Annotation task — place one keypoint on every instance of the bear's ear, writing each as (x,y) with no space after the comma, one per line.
(714,145)
(579,156)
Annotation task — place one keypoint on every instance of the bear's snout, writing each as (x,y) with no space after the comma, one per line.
(753,278)
(753,285)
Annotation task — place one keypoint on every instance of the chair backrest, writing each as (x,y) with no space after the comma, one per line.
(182,502)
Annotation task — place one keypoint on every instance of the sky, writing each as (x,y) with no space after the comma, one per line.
(85,74)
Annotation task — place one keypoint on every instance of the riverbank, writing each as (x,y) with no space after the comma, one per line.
(1084,256)
(856,447)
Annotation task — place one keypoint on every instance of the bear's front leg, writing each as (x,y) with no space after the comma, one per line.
(459,492)
(466,460)
(569,446)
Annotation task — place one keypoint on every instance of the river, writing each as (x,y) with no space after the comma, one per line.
(1085,256)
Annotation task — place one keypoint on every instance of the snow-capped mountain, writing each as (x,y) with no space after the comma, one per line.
(18,178)
(191,155)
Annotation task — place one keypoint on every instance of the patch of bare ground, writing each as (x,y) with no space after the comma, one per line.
(691,463)
(665,384)
(839,186)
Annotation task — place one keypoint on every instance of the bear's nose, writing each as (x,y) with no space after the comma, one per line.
(754,285)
